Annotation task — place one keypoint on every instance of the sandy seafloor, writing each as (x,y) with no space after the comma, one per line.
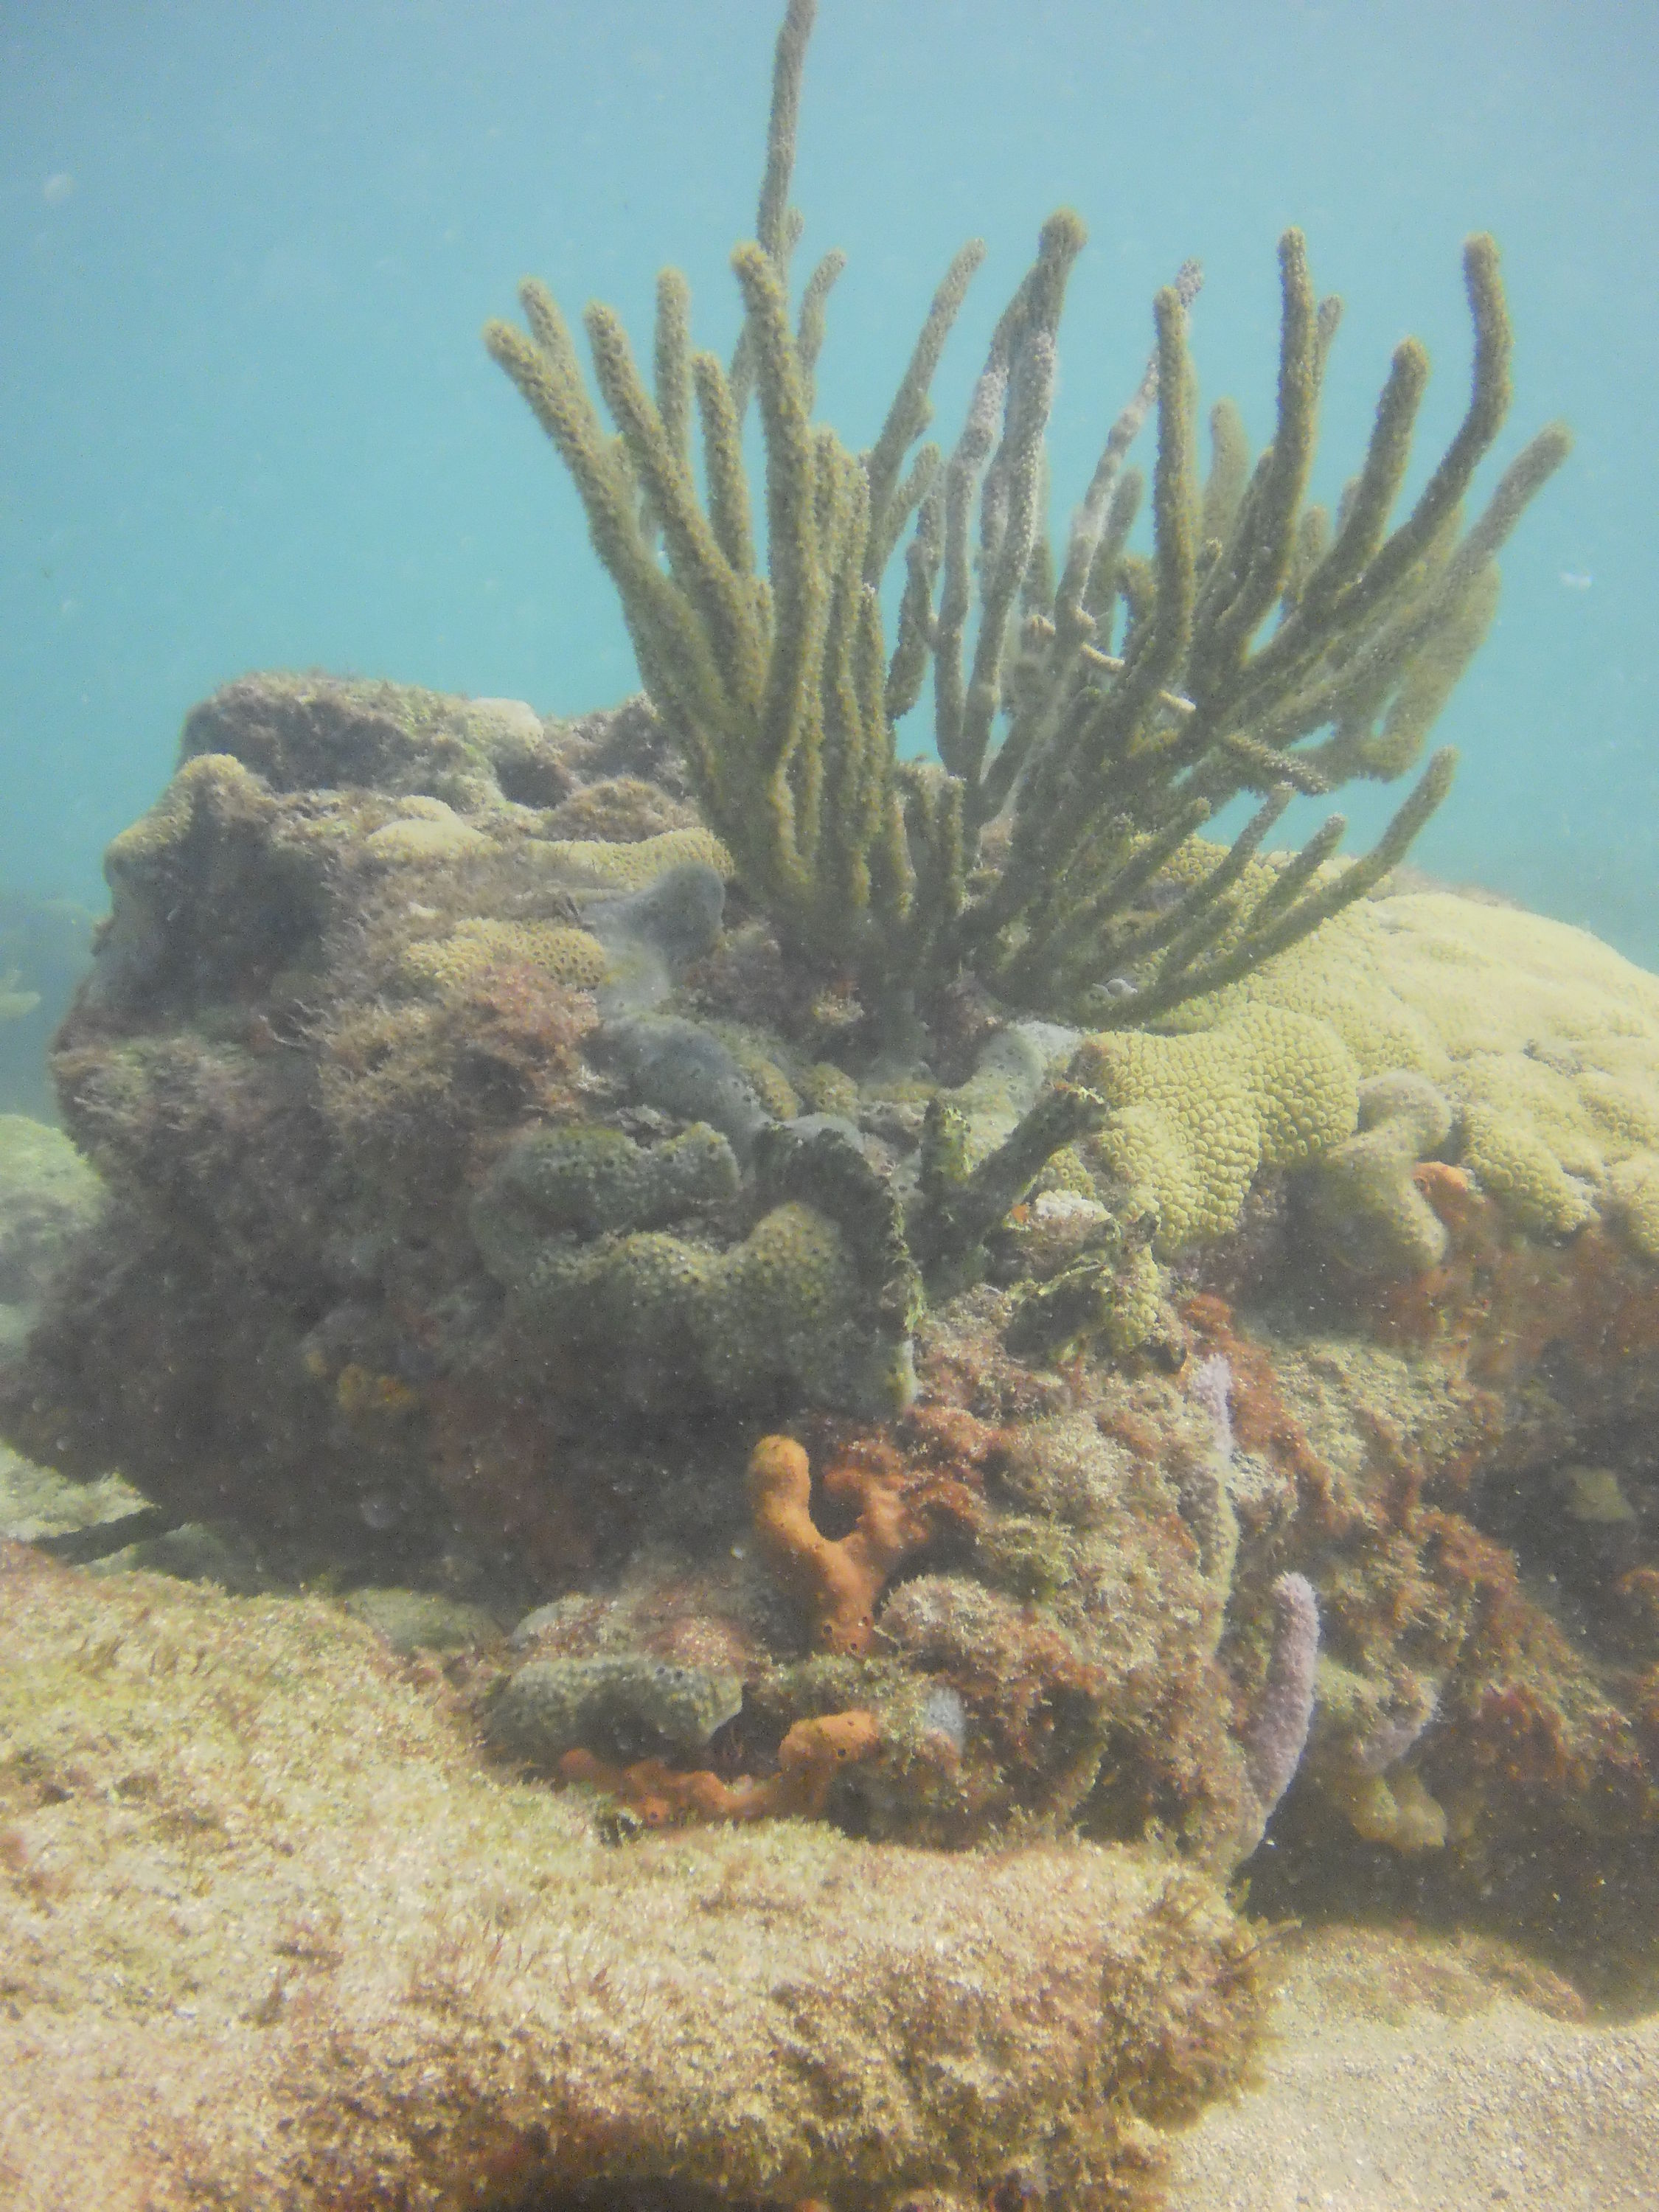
(1402,2071)
(1402,2074)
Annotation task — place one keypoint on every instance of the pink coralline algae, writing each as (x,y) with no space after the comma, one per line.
(1278,1734)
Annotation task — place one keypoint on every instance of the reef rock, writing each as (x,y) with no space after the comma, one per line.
(490,1194)
(272,1935)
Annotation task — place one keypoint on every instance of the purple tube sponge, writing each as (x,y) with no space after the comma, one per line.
(1212,1386)
(1277,1733)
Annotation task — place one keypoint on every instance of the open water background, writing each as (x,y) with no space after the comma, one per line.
(245,250)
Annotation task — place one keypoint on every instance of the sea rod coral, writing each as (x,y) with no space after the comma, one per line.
(1110,704)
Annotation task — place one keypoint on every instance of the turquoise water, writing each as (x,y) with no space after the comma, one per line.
(247,249)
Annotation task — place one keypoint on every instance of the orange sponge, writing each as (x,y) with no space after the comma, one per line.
(809,1759)
(839,1580)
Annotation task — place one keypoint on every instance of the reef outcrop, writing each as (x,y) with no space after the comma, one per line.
(985,1403)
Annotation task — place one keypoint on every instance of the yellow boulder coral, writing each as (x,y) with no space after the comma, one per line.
(1363,1201)
(1197,1116)
(448,964)
(1632,1197)
(594,864)
(427,829)
(1545,1040)
(1516,1163)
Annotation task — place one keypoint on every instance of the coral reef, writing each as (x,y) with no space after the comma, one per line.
(996,1372)
(431,1261)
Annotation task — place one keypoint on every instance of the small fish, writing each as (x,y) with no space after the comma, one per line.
(1575,579)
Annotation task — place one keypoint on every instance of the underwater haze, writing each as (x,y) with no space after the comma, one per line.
(735,1473)
(247,253)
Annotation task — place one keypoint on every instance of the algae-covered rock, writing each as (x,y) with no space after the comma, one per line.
(192,1552)
(213,891)
(315,2000)
(36,1502)
(309,732)
(623,1705)
(48,1198)
(423,1620)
